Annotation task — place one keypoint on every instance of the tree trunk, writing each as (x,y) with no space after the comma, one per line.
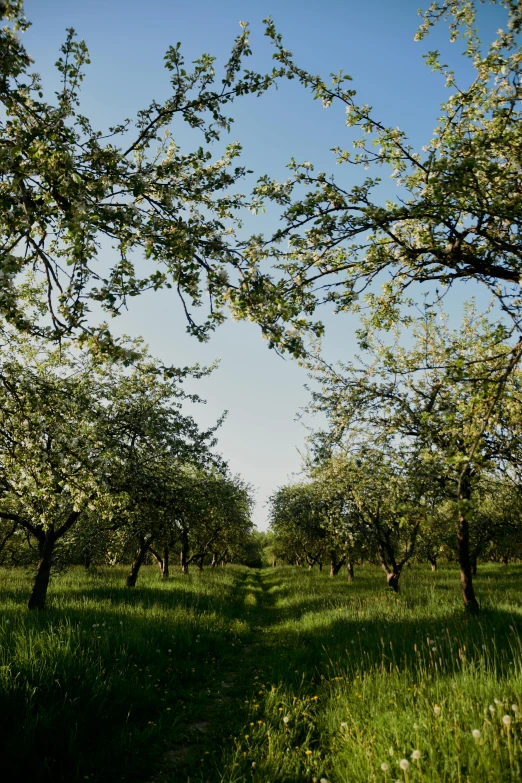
(165,567)
(43,572)
(349,567)
(505,559)
(199,562)
(320,566)
(137,563)
(214,560)
(392,577)
(336,565)
(433,561)
(464,496)
(473,560)
(183,556)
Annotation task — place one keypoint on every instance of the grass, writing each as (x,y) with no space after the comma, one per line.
(276,675)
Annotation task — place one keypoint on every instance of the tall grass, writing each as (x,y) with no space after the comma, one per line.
(98,684)
(299,677)
(357,684)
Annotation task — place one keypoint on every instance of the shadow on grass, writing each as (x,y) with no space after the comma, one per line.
(99,699)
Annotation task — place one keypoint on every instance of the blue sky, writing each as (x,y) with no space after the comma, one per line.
(370,40)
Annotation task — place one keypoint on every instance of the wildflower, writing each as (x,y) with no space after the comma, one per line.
(416,755)
(384,767)
(416,726)
(286,719)
(254,765)
(308,752)
(390,751)
(506,720)
(404,764)
(515,708)
(324,780)
(344,725)
(476,734)
(497,701)
(436,709)
(491,708)
(169,651)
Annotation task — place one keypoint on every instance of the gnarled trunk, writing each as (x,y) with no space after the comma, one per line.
(43,572)
(464,497)
(138,561)
(392,577)
(214,560)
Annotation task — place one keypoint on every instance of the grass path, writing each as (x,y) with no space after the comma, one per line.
(214,718)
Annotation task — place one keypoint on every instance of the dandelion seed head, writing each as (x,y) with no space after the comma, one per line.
(416,755)
(384,767)
(476,734)
(491,708)
(286,719)
(506,720)
(404,764)
(515,707)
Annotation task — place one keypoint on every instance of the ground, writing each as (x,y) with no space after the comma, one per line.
(273,675)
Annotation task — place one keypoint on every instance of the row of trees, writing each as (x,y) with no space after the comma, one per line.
(98,458)
(418,457)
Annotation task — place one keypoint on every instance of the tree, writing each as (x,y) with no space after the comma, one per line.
(297,522)
(455,217)
(80,438)
(382,502)
(211,512)
(439,397)
(66,187)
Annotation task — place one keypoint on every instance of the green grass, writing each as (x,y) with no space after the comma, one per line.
(275,675)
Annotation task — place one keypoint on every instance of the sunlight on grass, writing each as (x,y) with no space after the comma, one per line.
(323,679)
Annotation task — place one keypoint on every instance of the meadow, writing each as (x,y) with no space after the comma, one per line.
(277,674)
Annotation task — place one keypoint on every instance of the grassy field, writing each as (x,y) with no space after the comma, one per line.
(274,675)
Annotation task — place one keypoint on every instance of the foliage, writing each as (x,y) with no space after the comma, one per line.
(83,439)
(68,189)
(455,216)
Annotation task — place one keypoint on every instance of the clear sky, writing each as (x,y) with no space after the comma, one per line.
(372,40)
